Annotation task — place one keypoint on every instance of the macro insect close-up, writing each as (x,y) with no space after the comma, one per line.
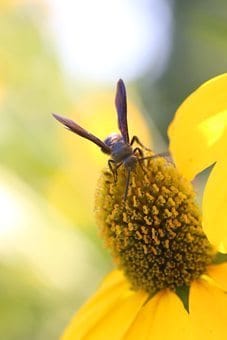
(118,146)
(113,222)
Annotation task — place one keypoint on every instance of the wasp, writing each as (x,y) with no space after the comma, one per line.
(118,146)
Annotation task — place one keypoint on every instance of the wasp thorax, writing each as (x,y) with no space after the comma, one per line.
(120,150)
(112,139)
(155,235)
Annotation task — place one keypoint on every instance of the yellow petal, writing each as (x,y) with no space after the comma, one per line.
(208,312)
(197,131)
(108,314)
(219,274)
(112,279)
(163,317)
(118,319)
(215,205)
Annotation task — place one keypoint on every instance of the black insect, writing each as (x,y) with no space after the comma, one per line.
(118,146)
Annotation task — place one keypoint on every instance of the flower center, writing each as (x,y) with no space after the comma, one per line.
(155,235)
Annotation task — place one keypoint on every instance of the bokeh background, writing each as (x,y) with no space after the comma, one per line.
(66,57)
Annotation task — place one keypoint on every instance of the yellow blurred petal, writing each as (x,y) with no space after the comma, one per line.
(197,131)
(71,197)
(11,4)
(163,317)
(208,312)
(5,4)
(215,204)
(108,314)
(219,274)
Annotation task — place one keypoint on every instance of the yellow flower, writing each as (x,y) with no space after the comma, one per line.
(193,306)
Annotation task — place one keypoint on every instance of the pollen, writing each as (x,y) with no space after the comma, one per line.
(155,235)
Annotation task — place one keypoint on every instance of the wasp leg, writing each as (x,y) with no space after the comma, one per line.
(135,139)
(113,168)
(141,156)
(162,154)
(127,184)
(139,151)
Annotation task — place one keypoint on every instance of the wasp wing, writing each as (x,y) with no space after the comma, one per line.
(121,106)
(74,127)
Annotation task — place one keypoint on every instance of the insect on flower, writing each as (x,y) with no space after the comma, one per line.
(118,146)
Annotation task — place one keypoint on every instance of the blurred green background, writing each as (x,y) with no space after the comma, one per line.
(66,57)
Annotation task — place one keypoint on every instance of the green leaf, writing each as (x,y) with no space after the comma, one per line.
(219,258)
(183,293)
